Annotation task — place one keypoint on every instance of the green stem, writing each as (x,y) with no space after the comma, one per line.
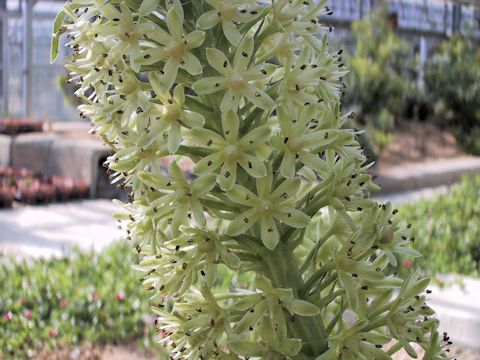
(394,348)
(317,275)
(284,273)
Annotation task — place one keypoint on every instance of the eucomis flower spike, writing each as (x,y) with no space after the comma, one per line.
(248,91)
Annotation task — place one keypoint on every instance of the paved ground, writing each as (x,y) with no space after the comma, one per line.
(426,174)
(413,195)
(52,229)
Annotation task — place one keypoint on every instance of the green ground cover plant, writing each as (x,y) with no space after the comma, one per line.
(85,297)
(448,230)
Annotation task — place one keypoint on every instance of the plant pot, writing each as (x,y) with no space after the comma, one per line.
(7,195)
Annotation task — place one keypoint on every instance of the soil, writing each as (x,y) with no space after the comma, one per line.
(454,352)
(98,352)
(130,352)
(418,142)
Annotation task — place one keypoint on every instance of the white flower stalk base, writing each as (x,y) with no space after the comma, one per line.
(246,91)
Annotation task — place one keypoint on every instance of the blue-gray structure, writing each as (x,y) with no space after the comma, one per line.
(432,18)
(28,81)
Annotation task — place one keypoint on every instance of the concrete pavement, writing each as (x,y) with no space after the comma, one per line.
(44,231)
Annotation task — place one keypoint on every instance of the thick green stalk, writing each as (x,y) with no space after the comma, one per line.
(284,273)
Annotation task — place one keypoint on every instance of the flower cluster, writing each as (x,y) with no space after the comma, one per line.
(250,93)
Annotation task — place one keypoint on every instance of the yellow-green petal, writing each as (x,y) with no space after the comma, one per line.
(242,223)
(208,20)
(209,85)
(231,32)
(218,61)
(269,231)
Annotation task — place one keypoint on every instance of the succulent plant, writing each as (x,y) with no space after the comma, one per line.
(250,93)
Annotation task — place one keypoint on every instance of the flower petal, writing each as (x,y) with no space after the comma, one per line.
(242,223)
(197,212)
(176,173)
(195,39)
(192,119)
(208,20)
(218,61)
(230,125)
(264,186)
(314,162)
(147,7)
(170,71)
(284,120)
(231,32)
(287,167)
(203,184)
(151,56)
(191,64)
(208,137)
(256,137)
(175,23)
(209,85)
(179,217)
(258,97)
(293,217)
(160,35)
(155,181)
(270,235)
(208,164)
(210,272)
(320,138)
(174,138)
(230,101)
(253,166)
(179,95)
(287,189)
(228,176)
(243,54)
(155,80)
(240,195)
(259,72)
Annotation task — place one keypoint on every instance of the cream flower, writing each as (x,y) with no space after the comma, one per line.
(231,150)
(267,206)
(237,81)
(182,197)
(175,48)
(230,14)
(171,114)
(301,139)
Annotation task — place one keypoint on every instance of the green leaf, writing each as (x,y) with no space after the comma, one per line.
(351,289)
(246,348)
(54,47)
(304,308)
(55,44)
(290,347)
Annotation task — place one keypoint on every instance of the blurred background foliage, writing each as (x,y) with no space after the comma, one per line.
(452,88)
(65,302)
(386,88)
(85,297)
(447,230)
